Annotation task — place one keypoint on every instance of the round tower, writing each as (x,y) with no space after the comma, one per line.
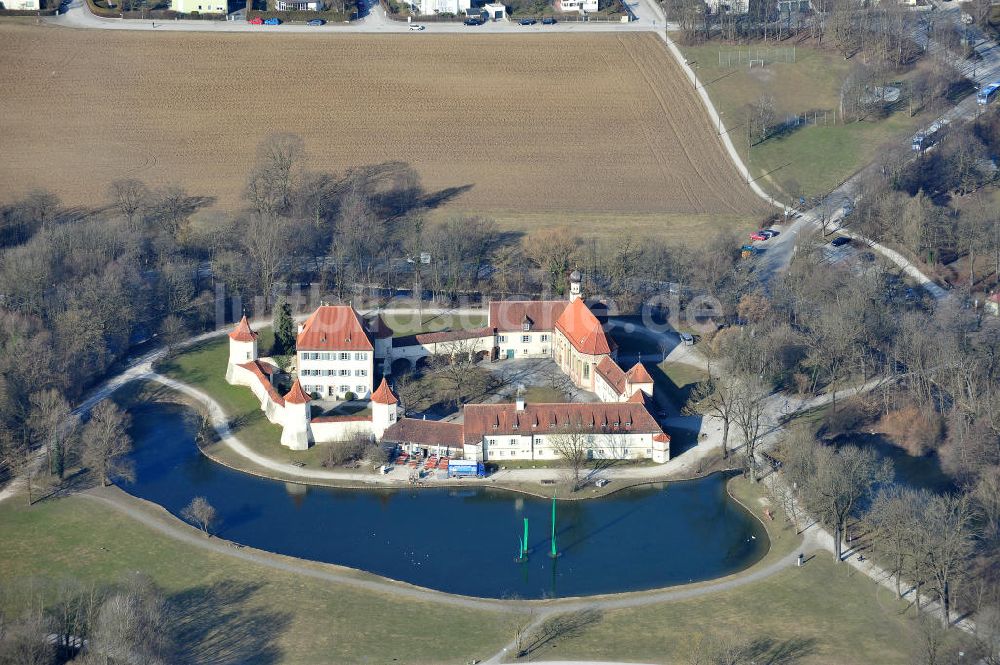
(574,285)
(295,422)
(242,346)
(385,409)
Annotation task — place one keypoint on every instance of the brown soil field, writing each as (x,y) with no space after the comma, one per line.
(531,124)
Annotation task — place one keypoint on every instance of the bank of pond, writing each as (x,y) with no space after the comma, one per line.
(463,541)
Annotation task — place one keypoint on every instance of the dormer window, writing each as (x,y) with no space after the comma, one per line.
(525,326)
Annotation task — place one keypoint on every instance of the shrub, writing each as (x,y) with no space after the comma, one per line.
(915,430)
(349,396)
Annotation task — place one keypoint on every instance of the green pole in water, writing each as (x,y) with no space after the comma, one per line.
(524,548)
(555,552)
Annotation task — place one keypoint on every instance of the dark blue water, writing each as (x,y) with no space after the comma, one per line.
(459,541)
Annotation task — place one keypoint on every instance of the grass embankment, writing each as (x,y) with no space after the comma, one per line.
(821,614)
(251,613)
(809,160)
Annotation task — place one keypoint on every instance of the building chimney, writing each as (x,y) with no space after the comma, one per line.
(519,401)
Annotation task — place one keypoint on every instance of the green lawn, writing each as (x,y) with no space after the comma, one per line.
(810,160)
(255,613)
(410,324)
(204,367)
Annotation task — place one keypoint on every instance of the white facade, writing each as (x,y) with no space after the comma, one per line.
(621,446)
(200,6)
(22,5)
(442,6)
(526,343)
(577,5)
(332,374)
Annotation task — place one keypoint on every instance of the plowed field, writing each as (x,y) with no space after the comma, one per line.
(586,123)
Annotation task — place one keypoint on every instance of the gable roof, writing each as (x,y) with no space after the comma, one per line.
(333,328)
(510,315)
(412,430)
(383,395)
(638,374)
(583,330)
(609,370)
(263,371)
(441,337)
(499,419)
(242,332)
(297,395)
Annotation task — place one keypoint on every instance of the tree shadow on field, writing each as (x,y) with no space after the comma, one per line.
(218,624)
(394,189)
(558,627)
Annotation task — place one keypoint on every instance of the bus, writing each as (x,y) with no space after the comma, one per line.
(988,93)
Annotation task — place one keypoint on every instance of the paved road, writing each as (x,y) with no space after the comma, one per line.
(80,16)
(778,251)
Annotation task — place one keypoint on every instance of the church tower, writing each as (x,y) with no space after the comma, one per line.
(574,285)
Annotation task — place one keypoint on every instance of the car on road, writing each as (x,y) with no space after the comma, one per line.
(528,21)
(256,20)
(759,235)
(548,20)
(840,241)
(416,27)
(474,21)
(316,22)
(272,21)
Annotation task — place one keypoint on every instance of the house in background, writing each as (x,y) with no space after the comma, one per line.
(581,6)
(298,5)
(441,6)
(199,6)
(992,305)
(22,5)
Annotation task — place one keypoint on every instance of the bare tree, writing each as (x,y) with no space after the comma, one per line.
(730,648)
(715,397)
(572,445)
(53,424)
(106,443)
(949,533)
(835,482)
(891,520)
(133,625)
(552,250)
(277,157)
(749,406)
(130,196)
(201,513)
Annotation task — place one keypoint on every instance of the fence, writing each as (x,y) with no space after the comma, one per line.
(817,117)
(756,55)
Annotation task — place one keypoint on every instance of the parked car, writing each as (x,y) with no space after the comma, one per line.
(758,235)
(272,21)
(601,482)
(316,22)
(840,241)
(688,339)
(528,21)
(256,20)
(474,21)
(416,26)
(770,233)
(548,20)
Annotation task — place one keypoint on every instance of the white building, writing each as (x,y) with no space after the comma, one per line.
(581,6)
(22,5)
(336,352)
(442,6)
(200,6)
(298,5)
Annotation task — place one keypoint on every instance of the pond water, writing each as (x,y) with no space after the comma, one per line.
(457,540)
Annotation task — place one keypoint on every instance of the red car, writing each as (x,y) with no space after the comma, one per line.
(256,20)
(757,235)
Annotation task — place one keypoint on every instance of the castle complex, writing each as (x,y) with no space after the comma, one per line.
(339,354)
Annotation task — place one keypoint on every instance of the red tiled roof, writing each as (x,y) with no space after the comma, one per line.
(452,335)
(262,371)
(995,297)
(609,370)
(383,395)
(333,328)
(242,332)
(638,374)
(491,419)
(412,430)
(510,315)
(662,438)
(583,330)
(297,395)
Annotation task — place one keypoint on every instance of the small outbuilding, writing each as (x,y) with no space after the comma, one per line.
(496,11)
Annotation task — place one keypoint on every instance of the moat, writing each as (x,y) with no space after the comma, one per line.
(460,541)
